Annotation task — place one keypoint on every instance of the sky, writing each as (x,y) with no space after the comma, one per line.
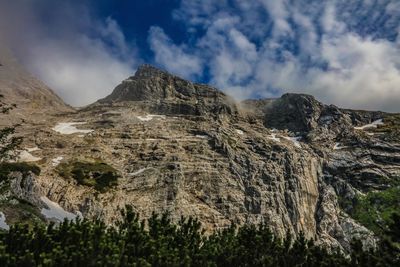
(344,52)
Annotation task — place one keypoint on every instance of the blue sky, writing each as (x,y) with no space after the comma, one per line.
(343,52)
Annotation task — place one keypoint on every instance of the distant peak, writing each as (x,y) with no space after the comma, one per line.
(147,70)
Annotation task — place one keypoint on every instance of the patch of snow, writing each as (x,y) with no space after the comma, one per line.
(239,131)
(295,140)
(69,128)
(149,117)
(56,161)
(373,124)
(337,146)
(33,149)
(25,156)
(55,211)
(274,138)
(137,172)
(3,224)
(202,136)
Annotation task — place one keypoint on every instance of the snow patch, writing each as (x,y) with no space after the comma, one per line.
(337,146)
(149,117)
(202,136)
(295,140)
(3,224)
(137,172)
(25,156)
(56,161)
(33,149)
(55,211)
(239,131)
(274,138)
(69,128)
(373,124)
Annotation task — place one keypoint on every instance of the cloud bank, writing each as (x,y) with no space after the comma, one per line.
(77,54)
(346,53)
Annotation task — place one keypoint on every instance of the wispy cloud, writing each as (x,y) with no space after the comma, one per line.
(78,55)
(173,57)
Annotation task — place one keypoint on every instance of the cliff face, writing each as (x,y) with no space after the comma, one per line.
(191,150)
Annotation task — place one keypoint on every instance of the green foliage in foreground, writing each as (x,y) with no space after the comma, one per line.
(6,168)
(375,210)
(99,175)
(162,243)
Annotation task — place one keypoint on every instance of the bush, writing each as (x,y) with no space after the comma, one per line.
(99,175)
(375,209)
(159,242)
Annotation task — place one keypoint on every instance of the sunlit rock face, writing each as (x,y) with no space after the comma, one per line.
(191,150)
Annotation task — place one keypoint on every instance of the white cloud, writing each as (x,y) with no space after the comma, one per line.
(173,57)
(279,12)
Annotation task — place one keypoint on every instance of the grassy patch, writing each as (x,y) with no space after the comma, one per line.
(24,168)
(98,175)
(375,209)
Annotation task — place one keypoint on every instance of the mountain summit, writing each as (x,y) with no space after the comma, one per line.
(160,91)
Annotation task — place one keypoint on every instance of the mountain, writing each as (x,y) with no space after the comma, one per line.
(161,143)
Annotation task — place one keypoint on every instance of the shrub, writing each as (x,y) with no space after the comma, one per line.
(98,175)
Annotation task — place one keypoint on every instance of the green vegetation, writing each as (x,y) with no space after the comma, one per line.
(159,242)
(99,175)
(24,168)
(375,209)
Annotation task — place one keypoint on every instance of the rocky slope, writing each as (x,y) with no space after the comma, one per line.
(160,143)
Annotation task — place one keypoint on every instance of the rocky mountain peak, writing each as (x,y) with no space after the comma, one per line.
(155,90)
(148,71)
(295,112)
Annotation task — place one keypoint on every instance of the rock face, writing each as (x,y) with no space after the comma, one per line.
(191,150)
